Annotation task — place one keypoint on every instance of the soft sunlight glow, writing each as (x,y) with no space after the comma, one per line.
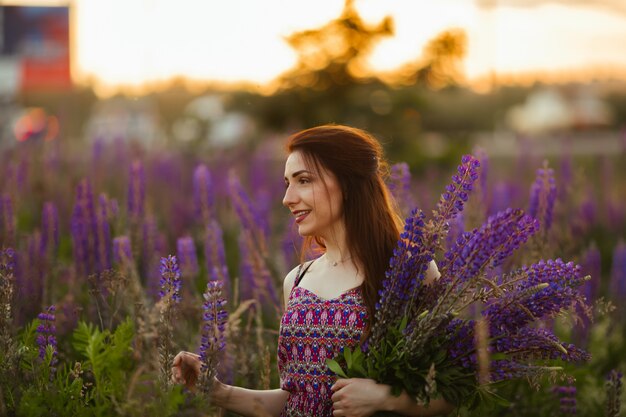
(415,25)
(153,40)
(139,43)
(557,37)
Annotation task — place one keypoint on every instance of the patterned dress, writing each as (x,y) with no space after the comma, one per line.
(312,330)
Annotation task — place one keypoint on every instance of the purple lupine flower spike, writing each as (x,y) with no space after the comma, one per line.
(169,294)
(615,214)
(170,279)
(97,151)
(114,209)
(454,198)
(7,260)
(542,196)
(618,277)
(79,243)
(256,280)
(248,215)
(482,156)
(213,335)
(35,268)
(503,196)
(567,399)
(215,255)
(247,283)
(587,214)
(136,190)
(530,342)
(291,243)
(488,246)
(7,221)
(49,229)
(122,251)
(457,228)
(202,194)
(547,287)
(187,256)
(46,335)
(83,230)
(407,269)
(149,249)
(565,172)
(399,184)
(592,265)
(103,234)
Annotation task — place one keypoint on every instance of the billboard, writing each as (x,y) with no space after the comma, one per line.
(34,49)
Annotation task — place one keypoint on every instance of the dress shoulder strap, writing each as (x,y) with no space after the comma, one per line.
(302,272)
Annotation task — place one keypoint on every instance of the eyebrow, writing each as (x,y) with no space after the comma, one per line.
(302,171)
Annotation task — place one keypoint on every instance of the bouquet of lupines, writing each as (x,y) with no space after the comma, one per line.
(455,336)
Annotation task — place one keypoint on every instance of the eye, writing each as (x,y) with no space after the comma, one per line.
(303,180)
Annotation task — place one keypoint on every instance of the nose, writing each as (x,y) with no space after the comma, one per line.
(290,197)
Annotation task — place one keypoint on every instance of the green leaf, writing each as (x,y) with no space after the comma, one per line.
(334,366)
(347,353)
(403,323)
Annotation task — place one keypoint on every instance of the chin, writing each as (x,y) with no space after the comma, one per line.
(302,231)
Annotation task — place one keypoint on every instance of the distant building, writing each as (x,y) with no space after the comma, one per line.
(129,120)
(34,49)
(552,109)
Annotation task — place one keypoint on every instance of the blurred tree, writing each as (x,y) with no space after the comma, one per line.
(331,84)
(440,64)
(334,55)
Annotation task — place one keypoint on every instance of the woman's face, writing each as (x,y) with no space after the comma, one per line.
(314,198)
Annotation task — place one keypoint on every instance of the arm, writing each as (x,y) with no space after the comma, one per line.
(363,397)
(288,284)
(255,402)
(247,402)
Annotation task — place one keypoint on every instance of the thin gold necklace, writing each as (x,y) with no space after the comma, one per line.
(335,263)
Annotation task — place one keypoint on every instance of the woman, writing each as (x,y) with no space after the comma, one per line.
(335,189)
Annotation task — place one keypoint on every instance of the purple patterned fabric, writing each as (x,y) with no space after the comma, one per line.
(312,330)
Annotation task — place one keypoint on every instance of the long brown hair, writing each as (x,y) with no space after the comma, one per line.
(370,214)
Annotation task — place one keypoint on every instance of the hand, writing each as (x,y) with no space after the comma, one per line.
(357,397)
(186,369)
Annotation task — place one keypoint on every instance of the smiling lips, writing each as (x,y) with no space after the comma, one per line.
(301,214)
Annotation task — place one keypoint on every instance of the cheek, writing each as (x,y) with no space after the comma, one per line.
(336,205)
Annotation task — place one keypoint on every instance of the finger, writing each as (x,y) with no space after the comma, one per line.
(179,357)
(339,384)
(176,373)
(182,354)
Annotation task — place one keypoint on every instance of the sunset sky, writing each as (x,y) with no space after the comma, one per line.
(132,43)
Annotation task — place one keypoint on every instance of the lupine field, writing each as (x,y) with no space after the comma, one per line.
(114,257)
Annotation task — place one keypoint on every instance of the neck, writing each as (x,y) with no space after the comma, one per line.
(337,249)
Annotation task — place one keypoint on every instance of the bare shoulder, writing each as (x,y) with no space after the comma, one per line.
(432,274)
(289,281)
